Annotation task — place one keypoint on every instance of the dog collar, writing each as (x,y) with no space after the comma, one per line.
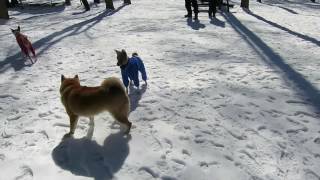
(125,65)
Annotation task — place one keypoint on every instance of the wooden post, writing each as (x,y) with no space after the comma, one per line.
(3,10)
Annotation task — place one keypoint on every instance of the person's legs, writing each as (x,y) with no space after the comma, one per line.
(212,8)
(188,7)
(195,9)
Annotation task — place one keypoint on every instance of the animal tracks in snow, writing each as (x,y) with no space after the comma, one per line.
(26,173)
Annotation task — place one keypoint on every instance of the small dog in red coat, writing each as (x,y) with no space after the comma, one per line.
(24,43)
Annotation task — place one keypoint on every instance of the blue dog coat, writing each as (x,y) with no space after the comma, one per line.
(130,71)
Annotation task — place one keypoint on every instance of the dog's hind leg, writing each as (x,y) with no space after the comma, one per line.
(26,52)
(123,120)
(30,59)
(32,50)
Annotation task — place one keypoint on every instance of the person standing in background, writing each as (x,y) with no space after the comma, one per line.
(212,8)
(194,4)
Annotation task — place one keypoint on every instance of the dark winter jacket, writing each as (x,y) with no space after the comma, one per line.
(130,71)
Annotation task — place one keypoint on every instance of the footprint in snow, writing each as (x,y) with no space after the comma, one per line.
(4,96)
(196,118)
(217,144)
(296,131)
(317,141)
(14,117)
(44,114)
(168,178)
(205,164)
(149,171)
(169,143)
(310,175)
(26,173)
(229,158)
(262,128)
(186,152)
(178,161)
(2,157)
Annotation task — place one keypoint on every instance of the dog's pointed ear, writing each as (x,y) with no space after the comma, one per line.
(76,76)
(19,28)
(62,78)
(11,30)
(118,52)
(124,52)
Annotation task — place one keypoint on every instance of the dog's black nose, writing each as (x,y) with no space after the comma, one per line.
(118,64)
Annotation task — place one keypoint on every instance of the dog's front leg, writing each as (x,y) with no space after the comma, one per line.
(73,124)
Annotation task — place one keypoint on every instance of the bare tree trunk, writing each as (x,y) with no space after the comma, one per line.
(8,4)
(86,4)
(245,4)
(127,1)
(3,10)
(109,4)
(68,2)
(14,3)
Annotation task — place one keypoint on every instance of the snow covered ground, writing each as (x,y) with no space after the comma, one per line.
(235,98)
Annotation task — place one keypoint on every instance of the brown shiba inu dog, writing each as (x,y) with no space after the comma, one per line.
(89,101)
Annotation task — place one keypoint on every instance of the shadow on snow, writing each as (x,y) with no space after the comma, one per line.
(291,76)
(85,157)
(304,37)
(16,61)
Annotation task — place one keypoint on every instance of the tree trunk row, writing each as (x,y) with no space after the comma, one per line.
(109,3)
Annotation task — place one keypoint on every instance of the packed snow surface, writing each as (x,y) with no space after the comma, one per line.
(233,98)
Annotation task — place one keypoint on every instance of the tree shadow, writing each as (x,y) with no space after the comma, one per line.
(284,8)
(46,42)
(301,85)
(195,25)
(4,21)
(304,37)
(135,96)
(217,22)
(85,157)
(287,9)
(307,4)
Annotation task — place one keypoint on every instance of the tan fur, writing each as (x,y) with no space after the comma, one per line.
(90,101)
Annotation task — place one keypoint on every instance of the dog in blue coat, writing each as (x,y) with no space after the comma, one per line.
(130,68)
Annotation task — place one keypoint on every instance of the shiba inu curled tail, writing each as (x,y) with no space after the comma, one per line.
(24,44)
(89,101)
